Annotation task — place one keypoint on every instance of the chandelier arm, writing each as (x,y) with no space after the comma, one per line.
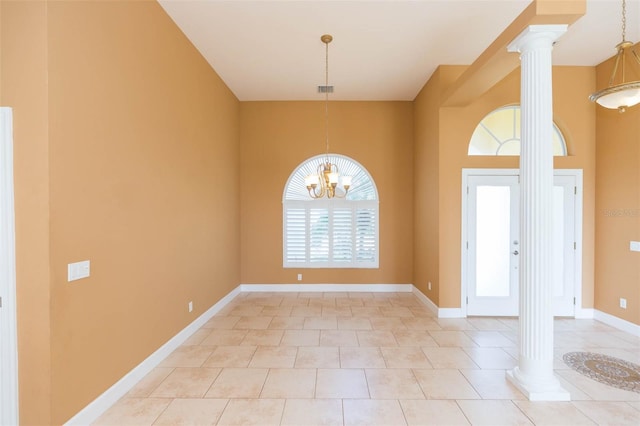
(317,194)
(323,180)
(624,71)
(615,67)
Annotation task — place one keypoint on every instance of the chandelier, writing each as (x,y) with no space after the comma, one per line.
(624,95)
(325,181)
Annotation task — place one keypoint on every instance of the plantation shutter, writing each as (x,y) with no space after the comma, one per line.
(295,225)
(365,235)
(341,232)
(319,235)
(342,235)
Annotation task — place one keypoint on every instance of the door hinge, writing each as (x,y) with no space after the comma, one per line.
(574,301)
(467,245)
(0,302)
(575,190)
(467,300)
(467,190)
(575,245)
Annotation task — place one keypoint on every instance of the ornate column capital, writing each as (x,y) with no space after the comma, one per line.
(537,37)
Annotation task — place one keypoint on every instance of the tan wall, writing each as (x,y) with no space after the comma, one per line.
(277,136)
(142,169)
(573,113)
(426,188)
(617,270)
(23,83)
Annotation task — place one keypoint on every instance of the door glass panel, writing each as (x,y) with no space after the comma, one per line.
(493,256)
(558,241)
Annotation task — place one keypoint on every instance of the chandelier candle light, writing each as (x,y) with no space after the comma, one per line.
(624,95)
(325,181)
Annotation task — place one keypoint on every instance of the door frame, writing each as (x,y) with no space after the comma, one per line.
(577,173)
(8,323)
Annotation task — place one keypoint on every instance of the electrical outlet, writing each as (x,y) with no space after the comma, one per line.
(299,277)
(623,303)
(429,286)
(78,270)
(190,306)
(634,246)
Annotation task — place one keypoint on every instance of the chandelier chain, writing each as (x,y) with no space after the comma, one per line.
(326,181)
(326,98)
(624,20)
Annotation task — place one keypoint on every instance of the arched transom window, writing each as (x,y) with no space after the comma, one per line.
(499,134)
(330,233)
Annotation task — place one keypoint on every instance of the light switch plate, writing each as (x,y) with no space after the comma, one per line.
(78,270)
(634,246)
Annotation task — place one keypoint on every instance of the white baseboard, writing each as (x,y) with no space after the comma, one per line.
(99,405)
(584,313)
(372,288)
(440,312)
(616,322)
(425,300)
(451,313)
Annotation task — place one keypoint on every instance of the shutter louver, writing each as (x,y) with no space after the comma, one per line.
(295,238)
(342,235)
(365,238)
(318,235)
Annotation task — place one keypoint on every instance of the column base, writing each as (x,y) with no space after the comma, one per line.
(536,390)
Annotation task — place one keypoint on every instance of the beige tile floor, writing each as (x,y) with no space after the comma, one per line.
(367,359)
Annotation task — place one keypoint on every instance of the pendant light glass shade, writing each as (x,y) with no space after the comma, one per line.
(625,94)
(621,96)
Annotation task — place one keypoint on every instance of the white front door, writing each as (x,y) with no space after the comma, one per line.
(492,249)
(493,245)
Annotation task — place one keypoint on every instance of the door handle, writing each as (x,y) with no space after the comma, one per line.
(516,252)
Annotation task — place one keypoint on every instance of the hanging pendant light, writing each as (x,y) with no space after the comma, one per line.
(624,95)
(325,181)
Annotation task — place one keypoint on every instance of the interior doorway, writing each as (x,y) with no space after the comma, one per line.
(8,330)
(491,237)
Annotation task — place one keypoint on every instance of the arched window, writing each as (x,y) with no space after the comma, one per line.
(330,233)
(499,134)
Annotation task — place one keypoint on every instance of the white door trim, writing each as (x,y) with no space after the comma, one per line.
(578,230)
(8,328)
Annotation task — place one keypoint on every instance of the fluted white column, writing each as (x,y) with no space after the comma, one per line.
(534,373)
(8,331)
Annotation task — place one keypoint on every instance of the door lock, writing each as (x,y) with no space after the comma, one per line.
(516,252)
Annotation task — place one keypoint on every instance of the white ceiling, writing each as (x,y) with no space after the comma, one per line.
(382,50)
